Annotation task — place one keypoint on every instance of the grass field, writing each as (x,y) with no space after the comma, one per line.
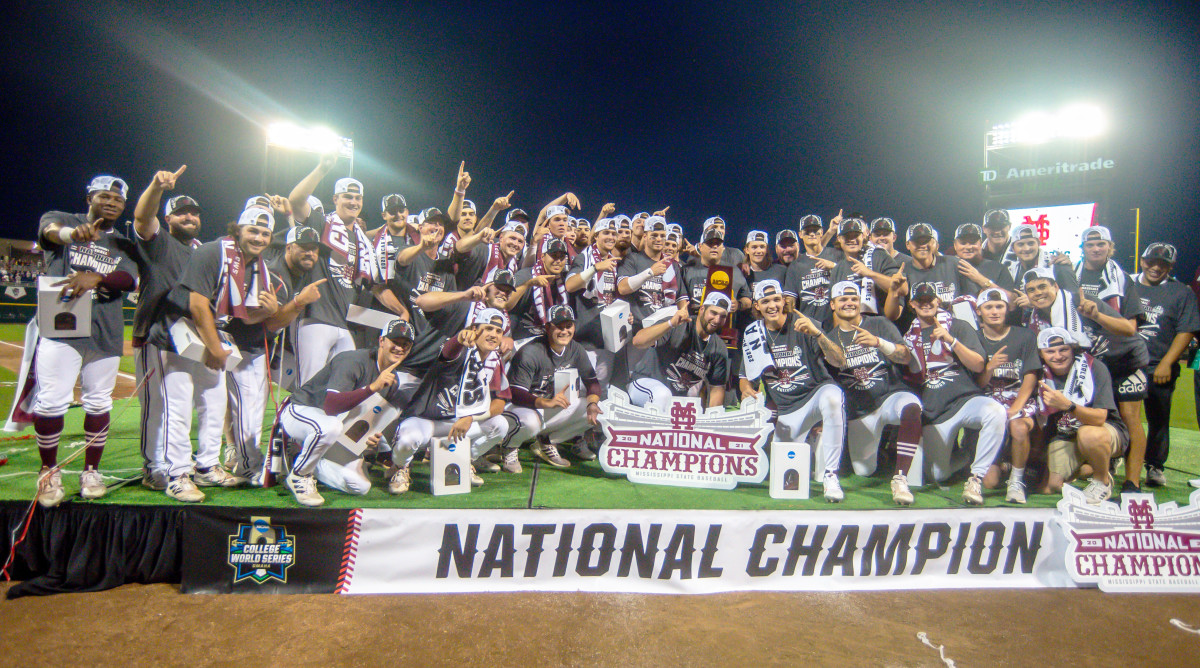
(581,486)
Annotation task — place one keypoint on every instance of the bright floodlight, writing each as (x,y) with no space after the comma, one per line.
(312,140)
(1034,128)
(1081,121)
(1076,121)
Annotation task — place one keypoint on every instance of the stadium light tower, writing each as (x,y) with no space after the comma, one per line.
(289,136)
(1075,121)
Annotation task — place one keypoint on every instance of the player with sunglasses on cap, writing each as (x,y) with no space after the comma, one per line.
(807,282)
(864,264)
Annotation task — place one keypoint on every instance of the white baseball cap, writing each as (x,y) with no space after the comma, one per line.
(256,215)
(348,185)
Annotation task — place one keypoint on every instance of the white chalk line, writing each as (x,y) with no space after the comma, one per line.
(1184,627)
(941,649)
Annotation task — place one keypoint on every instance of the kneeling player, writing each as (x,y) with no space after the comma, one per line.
(685,355)
(314,412)
(462,396)
(946,357)
(534,397)
(875,395)
(1083,424)
(784,350)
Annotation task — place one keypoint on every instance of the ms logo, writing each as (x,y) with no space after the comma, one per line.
(683,416)
(1141,515)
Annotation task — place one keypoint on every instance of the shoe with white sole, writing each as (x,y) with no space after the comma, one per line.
(901,494)
(183,488)
(217,476)
(91,484)
(833,488)
(304,488)
(511,463)
(399,479)
(1016,492)
(50,487)
(476,481)
(973,491)
(485,465)
(1097,492)
(154,480)
(548,452)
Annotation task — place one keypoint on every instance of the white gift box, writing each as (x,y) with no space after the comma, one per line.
(564,379)
(790,465)
(371,416)
(614,325)
(189,345)
(362,315)
(963,311)
(58,318)
(449,466)
(661,315)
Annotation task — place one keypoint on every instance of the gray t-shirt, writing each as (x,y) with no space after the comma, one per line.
(868,377)
(809,284)
(695,279)
(111,252)
(1020,347)
(657,292)
(599,292)
(1124,352)
(533,367)
(1170,309)
(1062,425)
(163,260)
(202,276)
(340,290)
(945,384)
(347,371)
(682,361)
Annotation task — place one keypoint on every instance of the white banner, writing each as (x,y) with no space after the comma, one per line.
(1060,227)
(702,552)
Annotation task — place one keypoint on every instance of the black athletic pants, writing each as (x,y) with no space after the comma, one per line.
(1158,417)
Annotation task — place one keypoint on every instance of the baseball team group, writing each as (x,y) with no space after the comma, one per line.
(993,358)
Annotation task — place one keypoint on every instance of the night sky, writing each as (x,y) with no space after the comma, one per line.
(759,113)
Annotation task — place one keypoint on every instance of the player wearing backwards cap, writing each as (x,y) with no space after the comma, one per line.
(96,263)
(226,286)
(583,233)
(864,264)
(875,395)
(592,281)
(347,261)
(1009,377)
(1108,335)
(946,356)
(807,284)
(479,256)
(162,259)
(624,229)
(652,278)
(552,418)
(1026,252)
(314,413)
(552,223)
(883,234)
(1082,423)
(682,357)
(472,231)
(784,350)
(977,272)
(1171,320)
(461,397)
(996,225)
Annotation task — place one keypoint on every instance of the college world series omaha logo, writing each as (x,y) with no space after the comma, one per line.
(261,552)
(686,446)
(1138,546)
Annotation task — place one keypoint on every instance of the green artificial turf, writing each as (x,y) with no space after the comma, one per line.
(582,486)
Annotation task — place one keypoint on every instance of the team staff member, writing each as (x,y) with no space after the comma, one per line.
(532,379)
(996,224)
(226,287)
(683,357)
(162,260)
(709,254)
(461,397)
(314,413)
(1082,422)
(1171,320)
(946,356)
(875,394)
(1010,377)
(787,248)
(96,263)
(976,272)
(785,350)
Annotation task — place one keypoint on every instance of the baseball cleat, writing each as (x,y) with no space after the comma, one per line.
(1016,492)
(511,464)
(582,451)
(399,480)
(476,481)
(548,452)
(304,488)
(50,488)
(154,480)
(833,488)
(91,484)
(485,465)
(217,476)
(182,488)
(901,494)
(973,491)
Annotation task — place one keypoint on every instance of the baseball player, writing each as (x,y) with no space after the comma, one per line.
(478,258)
(759,266)
(683,357)
(462,396)
(539,288)
(975,271)
(787,351)
(946,356)
(314,413)
(592,280)
(883,234)
(1025,253)
(806,285)
(652,280)
(867,265)
(95,263)
(875,394)
(997,225)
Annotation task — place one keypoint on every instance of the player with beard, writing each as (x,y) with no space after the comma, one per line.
(347,263)
(532,379)
(946,357)
(883,234)
(479,259)
(785,350)
(875,395)
(539,288)
(977,273)
(682,357)
(161,261)
(624,236)
(583,233)
(1171,321)
(225,287)
(651,278)
(807,283)
(1010,377)
(292,271)
(709,254)
(996,224)
(787,248)
(96,263)
(730,257)
(461,397)
(592,281)
(1082,423)
(314,414)
(1108,335)
(864,264)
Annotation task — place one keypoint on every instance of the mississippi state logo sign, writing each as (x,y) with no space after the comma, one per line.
(261,552)
(1138,546)
(685,447)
